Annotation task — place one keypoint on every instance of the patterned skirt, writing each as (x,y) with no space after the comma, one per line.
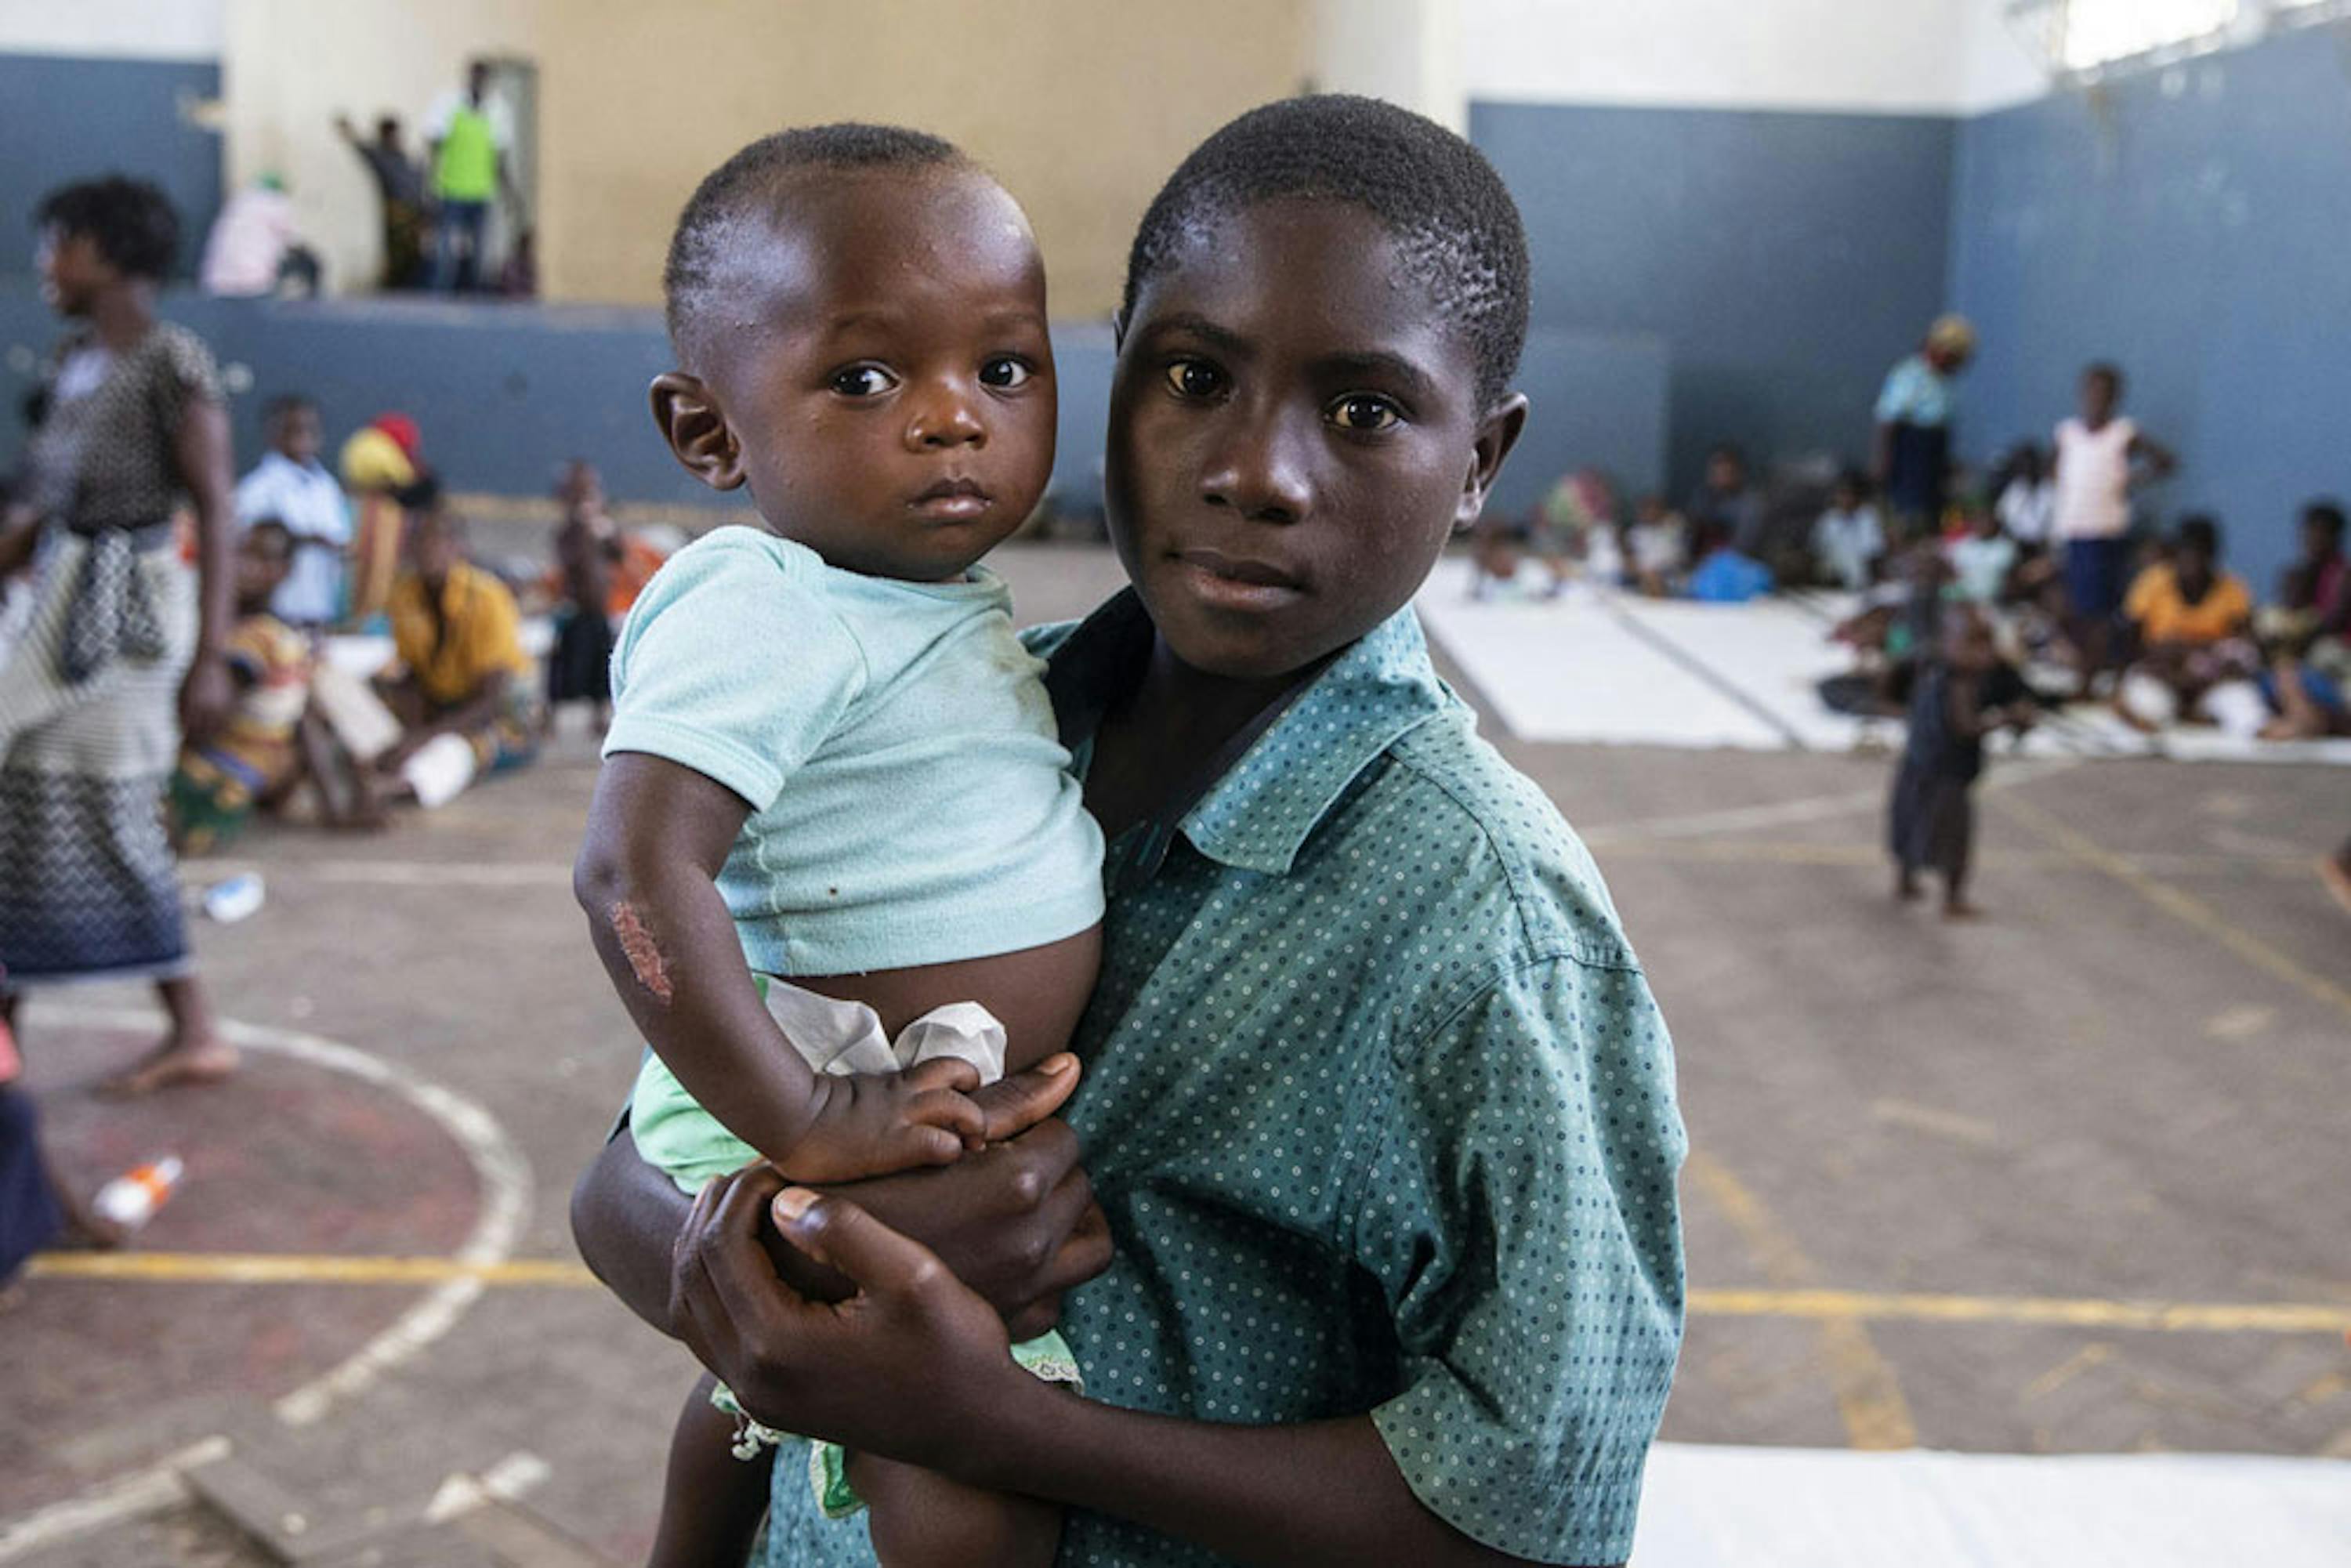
(89,888)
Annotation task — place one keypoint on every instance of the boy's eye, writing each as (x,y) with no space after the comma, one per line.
(1194,379)
(863,380)
(1363,411)
(1004,373)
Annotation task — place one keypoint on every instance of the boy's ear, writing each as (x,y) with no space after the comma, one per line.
(1497,433)
(698,434)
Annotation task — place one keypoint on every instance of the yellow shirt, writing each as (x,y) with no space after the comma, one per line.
(2164,615)
(477,636)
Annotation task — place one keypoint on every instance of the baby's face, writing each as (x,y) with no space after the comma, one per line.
(886,373)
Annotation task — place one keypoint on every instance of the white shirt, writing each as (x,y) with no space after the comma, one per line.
(2093,472)
(305,498)
(2027,512)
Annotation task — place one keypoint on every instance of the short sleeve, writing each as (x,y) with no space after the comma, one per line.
(2146,592)
(1521,1216)
(734,665)
(182,375)
(1895,397)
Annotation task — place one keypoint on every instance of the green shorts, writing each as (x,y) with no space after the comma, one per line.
(1046,1356)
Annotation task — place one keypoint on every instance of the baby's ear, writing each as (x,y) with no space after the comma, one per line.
(690,420)
(1497,433)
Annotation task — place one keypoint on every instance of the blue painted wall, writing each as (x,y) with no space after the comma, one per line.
(1785,260)
(65,119)
(505,393)
(2195,226)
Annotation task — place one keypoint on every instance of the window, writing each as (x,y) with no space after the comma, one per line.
(2087,39)
(2100,32)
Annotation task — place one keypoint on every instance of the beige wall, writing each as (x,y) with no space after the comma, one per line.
(1081,106)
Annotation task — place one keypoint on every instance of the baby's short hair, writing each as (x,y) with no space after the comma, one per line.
(747,185)
(1451,216)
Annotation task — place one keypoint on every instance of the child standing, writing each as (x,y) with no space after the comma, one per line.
(587,550)
(836,865)
(2101,453)
(1958,697)
(290,485)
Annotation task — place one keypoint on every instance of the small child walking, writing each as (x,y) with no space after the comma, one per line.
(1961,693)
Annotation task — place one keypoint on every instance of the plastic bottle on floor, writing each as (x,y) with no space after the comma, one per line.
(131,1198)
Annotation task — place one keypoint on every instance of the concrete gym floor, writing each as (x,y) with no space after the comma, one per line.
(1937,1172)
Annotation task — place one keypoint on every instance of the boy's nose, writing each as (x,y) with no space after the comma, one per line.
(1262,474)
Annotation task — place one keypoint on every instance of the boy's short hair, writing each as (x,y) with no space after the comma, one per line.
(1449,211)
(132,222)
(284,404)
(2105,370)
(698,261)
(2327,517)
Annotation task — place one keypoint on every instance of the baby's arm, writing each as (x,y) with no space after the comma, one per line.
(657,834)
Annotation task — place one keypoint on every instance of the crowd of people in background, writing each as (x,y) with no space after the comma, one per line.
(308,640)
(2054,553)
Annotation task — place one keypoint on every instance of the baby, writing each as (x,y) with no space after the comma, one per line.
(836,864)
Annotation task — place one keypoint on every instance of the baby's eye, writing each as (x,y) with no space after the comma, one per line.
(1363,411)
(863,380)
(1004,373)
(1194,379)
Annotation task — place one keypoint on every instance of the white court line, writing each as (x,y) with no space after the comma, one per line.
(141,1492)
(397,874)
(499,1167)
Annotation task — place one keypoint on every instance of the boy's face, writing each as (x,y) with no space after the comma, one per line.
(1294,432)
(1726,473)
(1848,498)
(2319,543)
(296,434)
(881,377)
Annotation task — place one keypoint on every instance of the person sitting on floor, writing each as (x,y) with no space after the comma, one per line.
(1983,559)
(1727,503)
(2028,498)
(1848,541)
(2190,620)
(1657,548)
(270,741)
(2314,592)
(465,689)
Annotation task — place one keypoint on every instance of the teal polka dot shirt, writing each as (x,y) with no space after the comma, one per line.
(1381,1112)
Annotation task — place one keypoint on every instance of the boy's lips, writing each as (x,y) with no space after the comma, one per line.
(1236,583)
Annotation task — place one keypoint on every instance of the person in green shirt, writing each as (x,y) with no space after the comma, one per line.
(1378,1253)
(467,138)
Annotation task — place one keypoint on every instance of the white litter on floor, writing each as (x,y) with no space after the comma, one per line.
(1608,668)
(1710,1507)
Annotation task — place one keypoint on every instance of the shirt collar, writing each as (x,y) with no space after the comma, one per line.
(1260,813)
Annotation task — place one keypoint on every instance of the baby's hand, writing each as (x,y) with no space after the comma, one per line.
(869,1124)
